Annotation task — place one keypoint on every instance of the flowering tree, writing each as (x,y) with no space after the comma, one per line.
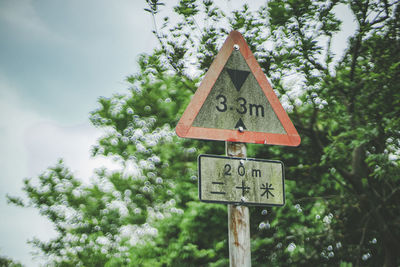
(342,184)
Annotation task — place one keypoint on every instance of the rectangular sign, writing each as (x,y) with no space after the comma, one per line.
(241,181)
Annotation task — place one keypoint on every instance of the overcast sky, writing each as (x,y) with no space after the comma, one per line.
(56,59)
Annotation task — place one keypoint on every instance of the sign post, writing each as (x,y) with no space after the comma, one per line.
(235,103)
(238,220)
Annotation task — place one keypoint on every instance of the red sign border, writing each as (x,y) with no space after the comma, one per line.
(185,129)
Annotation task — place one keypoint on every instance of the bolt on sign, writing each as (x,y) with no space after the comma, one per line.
(236,103)
(233,180)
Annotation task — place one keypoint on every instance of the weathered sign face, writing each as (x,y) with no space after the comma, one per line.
(236,103)
(241,181)
(237,100)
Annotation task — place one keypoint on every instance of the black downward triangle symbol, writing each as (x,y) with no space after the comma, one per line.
(240,124)
(238,77)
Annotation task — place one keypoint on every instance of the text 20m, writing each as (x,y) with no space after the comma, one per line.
(243,106)
(241,170)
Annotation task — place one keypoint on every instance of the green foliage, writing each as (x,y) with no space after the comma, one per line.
(153,6)
(6,262)
(342,187)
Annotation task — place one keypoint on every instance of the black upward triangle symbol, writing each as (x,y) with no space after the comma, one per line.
(238,77)
(240,124)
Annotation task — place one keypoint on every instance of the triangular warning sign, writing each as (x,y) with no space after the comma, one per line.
(236,103)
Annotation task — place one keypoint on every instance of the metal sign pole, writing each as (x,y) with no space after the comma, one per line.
(238,220)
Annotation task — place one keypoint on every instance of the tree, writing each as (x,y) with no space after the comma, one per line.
(342,184)
(6,262)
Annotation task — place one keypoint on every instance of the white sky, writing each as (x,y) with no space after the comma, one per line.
(57,58)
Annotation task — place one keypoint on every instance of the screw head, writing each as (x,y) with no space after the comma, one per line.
(236,47)
(241,129)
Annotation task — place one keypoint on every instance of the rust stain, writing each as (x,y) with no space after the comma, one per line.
(236,149)
(235,232)
(236,223)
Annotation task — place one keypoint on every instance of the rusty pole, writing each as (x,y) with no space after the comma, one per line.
(238,220)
